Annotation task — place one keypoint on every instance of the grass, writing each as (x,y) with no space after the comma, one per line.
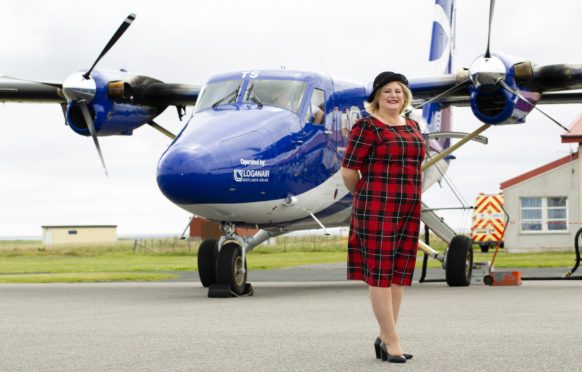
(84,277)
(29,262)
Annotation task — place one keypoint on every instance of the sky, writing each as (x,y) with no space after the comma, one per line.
(51,176)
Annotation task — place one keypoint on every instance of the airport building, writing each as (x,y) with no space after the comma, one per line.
(78,234)
(545,204)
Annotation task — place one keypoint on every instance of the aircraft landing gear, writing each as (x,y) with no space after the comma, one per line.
(231,269)
(207,256)
(459,261)
(222,264)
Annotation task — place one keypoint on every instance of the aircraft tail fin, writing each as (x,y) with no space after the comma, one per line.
(438,116)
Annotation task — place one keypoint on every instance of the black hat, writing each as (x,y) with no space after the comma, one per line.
(384,78)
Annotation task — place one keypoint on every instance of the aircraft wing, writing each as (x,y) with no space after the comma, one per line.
(561,97)
(560,83)
(427,88)
(168,94)
(153,93)
(21,91)
(125,101)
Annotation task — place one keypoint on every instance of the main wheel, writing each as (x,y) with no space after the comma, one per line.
(207,253)
(459,261)
(230,269)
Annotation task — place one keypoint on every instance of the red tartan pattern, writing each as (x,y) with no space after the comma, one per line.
(385,222)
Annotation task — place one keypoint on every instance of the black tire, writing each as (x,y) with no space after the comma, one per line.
(487,280)
(229,268)
(207,253)
(459,259)
(484,248)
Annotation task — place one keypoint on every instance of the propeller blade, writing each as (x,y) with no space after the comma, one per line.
(64,108)
(124,26)
(89,120)
(505,86)
(54,85)
(443,94)
(491,7)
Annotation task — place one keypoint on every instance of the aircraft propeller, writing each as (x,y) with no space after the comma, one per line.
(91,126)
(54,85)
(491,7)
(120,31)
(79,88)
(77,96)
(488,70)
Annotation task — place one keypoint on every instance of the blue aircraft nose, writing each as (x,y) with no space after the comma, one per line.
(184,174)
(227,157)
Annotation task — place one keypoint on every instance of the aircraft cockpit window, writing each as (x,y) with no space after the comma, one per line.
(219,93)
(315,111)
(286,94)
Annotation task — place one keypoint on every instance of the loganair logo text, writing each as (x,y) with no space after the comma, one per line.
(252,175)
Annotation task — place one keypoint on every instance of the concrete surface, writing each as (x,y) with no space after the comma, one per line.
(290,326)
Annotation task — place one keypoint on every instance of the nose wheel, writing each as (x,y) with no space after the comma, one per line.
(231,273)
(222,264)
(230,268)
(224,272)
(207,256)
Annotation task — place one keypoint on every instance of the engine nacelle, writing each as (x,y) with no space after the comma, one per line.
(493,105)
(112,116)
(490,102)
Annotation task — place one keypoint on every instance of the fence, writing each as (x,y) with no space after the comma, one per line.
(279,244)
(165,245)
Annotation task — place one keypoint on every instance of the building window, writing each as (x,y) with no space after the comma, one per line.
(72,232)
(557,214)
(544,214)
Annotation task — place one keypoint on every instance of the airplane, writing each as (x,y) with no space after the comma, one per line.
(245,159)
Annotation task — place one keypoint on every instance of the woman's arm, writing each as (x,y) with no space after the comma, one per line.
(351,178)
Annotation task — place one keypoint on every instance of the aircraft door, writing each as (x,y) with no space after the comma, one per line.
(320,141)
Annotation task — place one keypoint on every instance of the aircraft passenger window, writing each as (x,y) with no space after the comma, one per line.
(354,115)
(349,118)
(316,109)
(286,94)
(219,93)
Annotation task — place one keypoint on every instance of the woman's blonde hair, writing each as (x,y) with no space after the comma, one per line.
(374,106)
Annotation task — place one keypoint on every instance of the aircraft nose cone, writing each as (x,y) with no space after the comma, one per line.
(186,174)
(228,157)
(183,161)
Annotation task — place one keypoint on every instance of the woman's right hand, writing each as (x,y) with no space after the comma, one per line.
(351,177)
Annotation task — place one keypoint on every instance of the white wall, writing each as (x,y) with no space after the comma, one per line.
(59,235)
(562,181)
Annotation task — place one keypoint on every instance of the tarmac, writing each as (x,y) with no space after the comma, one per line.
(302,319)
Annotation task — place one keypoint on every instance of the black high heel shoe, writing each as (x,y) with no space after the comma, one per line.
(388,357)
(377,348)
(379,351)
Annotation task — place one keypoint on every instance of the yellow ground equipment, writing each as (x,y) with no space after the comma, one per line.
(488,221)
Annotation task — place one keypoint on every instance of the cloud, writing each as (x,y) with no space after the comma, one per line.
(51,175)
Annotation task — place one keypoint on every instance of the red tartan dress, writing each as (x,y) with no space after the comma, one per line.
(385,221)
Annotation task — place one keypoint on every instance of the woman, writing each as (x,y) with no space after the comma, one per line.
(387,149)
